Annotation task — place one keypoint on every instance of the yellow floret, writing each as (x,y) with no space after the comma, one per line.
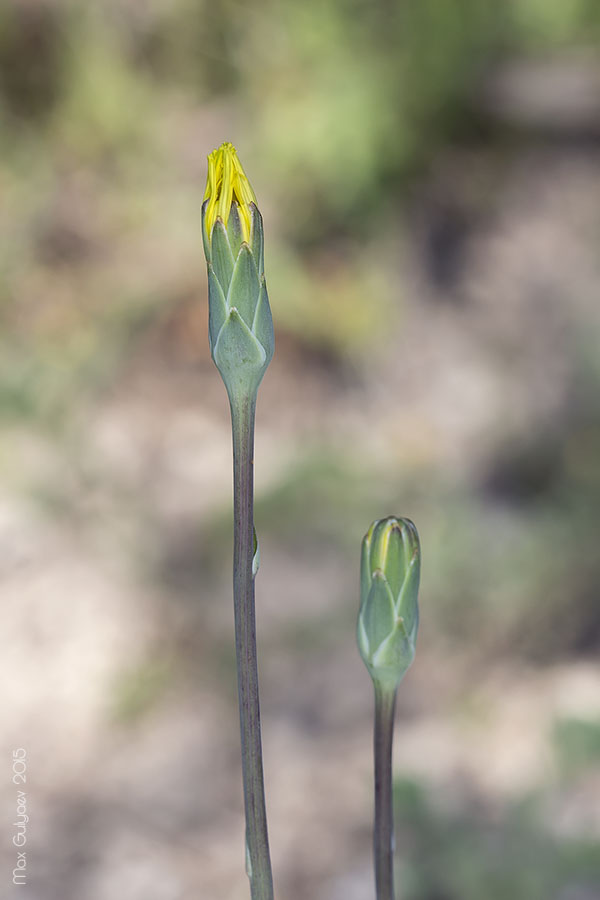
(226,184)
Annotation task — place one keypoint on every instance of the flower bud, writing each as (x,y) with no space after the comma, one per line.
(389,613)
(240,326)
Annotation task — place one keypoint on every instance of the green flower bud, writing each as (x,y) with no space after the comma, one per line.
(389,613)
(240,326)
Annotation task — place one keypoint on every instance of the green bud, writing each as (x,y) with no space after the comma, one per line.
(240,326)
(389,613)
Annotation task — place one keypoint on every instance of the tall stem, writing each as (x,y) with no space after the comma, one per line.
(383,829)
(258,862)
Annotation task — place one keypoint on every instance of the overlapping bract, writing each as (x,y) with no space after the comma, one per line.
(240,323)
(389,613)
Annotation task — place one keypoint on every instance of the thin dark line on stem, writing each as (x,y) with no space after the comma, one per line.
(383,828)
(258,860)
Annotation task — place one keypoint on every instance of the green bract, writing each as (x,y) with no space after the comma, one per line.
(240,323)
(389,613)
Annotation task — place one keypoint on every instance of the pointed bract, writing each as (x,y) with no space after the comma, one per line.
(238,356)
(378,613)
(235,230)
(262,325)
(244,287)
(257,238)
(217,308)
(221,257)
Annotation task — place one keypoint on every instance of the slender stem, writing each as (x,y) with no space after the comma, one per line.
(258,862)
(383,828)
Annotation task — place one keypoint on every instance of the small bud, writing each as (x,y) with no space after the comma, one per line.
(240,326)
(389,613)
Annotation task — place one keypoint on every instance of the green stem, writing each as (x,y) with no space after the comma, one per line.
(258,862)
(383,829)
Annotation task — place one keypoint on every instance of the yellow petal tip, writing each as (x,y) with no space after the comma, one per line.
(227,184)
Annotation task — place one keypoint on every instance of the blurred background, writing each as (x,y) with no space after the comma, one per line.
(429,177)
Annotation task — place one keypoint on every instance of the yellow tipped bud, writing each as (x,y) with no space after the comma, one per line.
(227,184)
(240,326)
